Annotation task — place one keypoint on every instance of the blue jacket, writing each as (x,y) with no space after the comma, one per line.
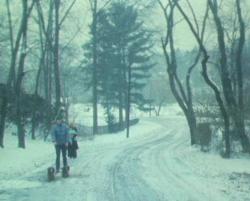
(60,134)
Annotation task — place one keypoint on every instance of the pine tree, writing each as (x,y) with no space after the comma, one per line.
(123,59)
(133,43)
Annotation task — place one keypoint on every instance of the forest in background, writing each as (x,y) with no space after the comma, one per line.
(125,53)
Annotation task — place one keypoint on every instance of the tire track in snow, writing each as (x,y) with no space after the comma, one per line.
(127,182)
(175,175)
(174,178)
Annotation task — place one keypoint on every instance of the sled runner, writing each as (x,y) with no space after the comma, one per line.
(65,172)
(51,173)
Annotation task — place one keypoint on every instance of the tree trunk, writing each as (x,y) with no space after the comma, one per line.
(219,100)
(94,92)
(20,75)
(56,56)
(120,110)
(14,48)
(41,66)
(240,128)
(192,125)
(35,106)
(20,123)
(19,118)
(3,106)
(120,87)
(128,101)
(240,118)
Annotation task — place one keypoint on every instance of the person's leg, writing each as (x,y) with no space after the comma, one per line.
(57,147)
(64,153)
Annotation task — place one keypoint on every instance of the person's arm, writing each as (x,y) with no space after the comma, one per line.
(67,135)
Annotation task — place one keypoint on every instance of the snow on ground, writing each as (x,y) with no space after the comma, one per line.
(82,113)
(155,164)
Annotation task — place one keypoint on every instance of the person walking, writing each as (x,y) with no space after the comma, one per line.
(60,138)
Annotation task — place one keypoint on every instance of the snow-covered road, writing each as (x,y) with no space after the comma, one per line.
(156,165)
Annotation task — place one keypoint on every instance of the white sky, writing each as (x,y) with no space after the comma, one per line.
(80,18)
(155,20)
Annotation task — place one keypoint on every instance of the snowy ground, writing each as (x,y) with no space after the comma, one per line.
(155,164)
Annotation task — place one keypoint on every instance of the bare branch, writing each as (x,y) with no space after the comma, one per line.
(67,12)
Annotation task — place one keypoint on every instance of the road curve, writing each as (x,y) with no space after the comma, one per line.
(150,168)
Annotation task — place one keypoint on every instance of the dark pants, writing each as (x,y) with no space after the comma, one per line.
(61,148)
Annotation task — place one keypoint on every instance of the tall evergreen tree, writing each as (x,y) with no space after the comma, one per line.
(133,44)
(123,59)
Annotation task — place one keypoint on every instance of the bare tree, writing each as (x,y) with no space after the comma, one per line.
(45,23)
(50,47)
(20,72)
(230,107)
(236,107)
(41,66)
(181,92)
(18,44)
(208,80)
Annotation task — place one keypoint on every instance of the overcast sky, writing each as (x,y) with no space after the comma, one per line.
(76,26)
(154,20)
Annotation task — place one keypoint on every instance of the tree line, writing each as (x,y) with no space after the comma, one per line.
(115,62)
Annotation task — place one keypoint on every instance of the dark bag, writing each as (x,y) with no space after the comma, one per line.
(74,142)
(70,150)
(75,145)
(72,153)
